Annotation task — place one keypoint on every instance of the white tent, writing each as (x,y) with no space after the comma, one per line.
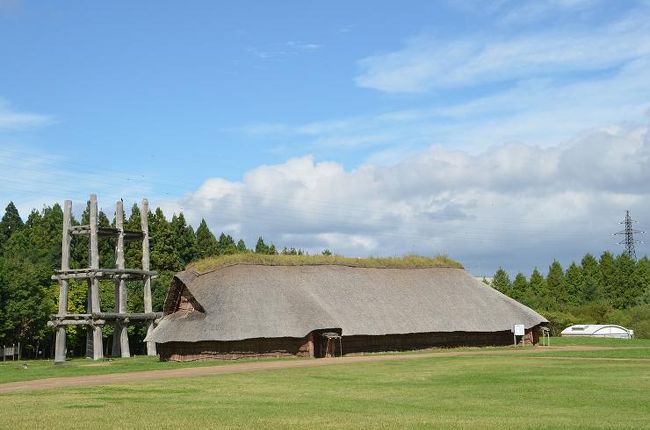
(598,330)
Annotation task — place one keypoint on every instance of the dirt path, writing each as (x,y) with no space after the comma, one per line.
(117,378)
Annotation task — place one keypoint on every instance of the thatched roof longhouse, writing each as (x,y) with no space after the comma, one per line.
(246,301)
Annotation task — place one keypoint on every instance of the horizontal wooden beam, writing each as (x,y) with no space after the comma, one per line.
(127,315)
(71,316)
(103,273)
(56,323)
(80,230)
(108,316)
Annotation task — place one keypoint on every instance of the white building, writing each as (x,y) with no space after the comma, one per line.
(598,330)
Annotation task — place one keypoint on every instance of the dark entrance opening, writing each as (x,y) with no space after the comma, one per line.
(327,343)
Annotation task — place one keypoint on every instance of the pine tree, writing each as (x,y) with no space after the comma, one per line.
(537,290)
(574,284)
(133,249)
(226,245)
(627,286)
(519,287)
(185,239)
(30,256)
(10,223)
(206,243)
(607,279)
(643,274)
(241,246)
(261,247)
(556,288)
(501,281)
(590,275)
(106,245)
(164,254)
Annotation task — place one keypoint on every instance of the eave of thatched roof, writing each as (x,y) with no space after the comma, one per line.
(265,301)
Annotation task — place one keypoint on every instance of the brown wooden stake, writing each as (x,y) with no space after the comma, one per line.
(120,334)
(144,224)
(97,340)
(60,341)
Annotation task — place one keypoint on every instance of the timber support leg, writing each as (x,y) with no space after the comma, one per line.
(59,346)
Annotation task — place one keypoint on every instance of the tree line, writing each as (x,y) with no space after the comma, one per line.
(613,289)
(30,251)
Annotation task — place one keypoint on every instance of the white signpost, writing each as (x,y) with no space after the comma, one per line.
(518,330)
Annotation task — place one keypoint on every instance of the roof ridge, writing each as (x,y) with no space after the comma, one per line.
(280,264)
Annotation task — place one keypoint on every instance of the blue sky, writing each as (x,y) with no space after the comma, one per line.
(502,134)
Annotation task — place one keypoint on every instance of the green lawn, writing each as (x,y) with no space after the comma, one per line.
(494,389)
(11,371)
(617,343)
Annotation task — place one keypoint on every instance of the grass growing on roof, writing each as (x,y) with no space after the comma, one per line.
(405,262)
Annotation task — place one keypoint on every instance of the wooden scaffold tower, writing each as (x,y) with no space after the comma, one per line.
(94,319)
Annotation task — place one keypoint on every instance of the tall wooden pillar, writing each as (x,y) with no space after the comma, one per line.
(148,308)
(94,348)
(120,333)
(60,342)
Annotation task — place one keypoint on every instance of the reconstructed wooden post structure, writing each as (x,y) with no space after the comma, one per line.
(120,332)
(60,347)
(144,224)
(95,319)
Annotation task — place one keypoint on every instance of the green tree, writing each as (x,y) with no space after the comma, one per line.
(241,246)
(226,245)
(607,281)
(501,281)
(537,296)
(10,223)
(590,276)
(627,284)
(573,284)
(30,255)
(133,249)
(261,247)
(206,243)
(106,245)
(519,287)
(164,253)
(556,288)
(184,238)
(643,274)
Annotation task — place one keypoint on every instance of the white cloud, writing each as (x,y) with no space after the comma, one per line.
(484,208)
(11,120)
(428,63)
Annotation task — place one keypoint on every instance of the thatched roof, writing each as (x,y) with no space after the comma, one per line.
(265,301)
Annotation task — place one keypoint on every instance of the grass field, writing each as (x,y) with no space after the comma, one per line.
(11,371)
(495,388)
